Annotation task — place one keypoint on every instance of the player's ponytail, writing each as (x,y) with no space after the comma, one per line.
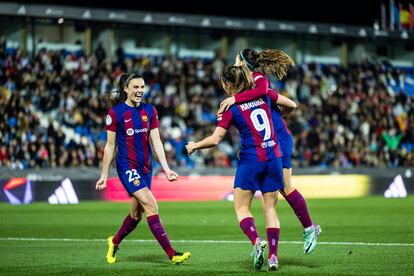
(120,94)
(236,79)
(276,62)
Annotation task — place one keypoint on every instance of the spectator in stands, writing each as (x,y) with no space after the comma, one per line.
(100,53)
(354,103)
(120,56)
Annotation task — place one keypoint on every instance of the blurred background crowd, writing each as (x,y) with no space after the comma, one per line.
(53,108)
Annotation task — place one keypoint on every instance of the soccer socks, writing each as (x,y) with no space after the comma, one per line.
(127,227)
(158,231)
(298,204)
(273,240)
(248,227)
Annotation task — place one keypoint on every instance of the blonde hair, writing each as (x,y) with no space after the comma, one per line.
(236,79)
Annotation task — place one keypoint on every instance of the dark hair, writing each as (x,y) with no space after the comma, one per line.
(121,95)
(270,61)
(236,79)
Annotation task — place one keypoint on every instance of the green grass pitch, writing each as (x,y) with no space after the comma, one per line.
(201,228)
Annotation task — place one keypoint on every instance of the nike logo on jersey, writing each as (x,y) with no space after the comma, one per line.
(126,121)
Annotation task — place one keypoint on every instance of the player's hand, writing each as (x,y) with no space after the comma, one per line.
(171,175)
(101,184)
(225,105)
(190,147)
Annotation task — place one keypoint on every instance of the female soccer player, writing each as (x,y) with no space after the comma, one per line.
(277,62)
(260,165)
(133,126)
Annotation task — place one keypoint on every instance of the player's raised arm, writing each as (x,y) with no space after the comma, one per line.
(281,100)
(287,104)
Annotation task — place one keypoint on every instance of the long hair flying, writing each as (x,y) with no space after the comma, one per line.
(269,61)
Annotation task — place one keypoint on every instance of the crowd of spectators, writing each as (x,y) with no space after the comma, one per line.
(53,107)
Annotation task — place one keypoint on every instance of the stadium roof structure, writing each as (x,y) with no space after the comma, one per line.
(199,21)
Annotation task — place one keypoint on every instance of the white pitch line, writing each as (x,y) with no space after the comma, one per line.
(201,241)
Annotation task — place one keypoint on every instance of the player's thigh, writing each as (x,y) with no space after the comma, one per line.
(269,200)
(242,198)
(147,200)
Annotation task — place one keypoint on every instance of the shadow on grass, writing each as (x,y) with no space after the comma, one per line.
(286,262)
(146,258)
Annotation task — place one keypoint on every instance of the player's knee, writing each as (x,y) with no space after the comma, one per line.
(269,205)
(241,211)
(151,209)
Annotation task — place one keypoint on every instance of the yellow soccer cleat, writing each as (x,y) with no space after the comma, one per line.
(112,249)
(180,258)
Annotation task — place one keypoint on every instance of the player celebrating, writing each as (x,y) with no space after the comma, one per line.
(276,62)
(134,126)
(260,165)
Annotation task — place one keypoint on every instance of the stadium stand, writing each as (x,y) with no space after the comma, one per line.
(53,108)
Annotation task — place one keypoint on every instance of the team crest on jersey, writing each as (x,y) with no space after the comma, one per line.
(130,132)
(144,118)
(108,120)
(136,182)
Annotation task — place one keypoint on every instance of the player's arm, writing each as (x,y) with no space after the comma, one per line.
(158,149)
(153,152)
(260,90)
(209,142)
(109,153)
(287,104)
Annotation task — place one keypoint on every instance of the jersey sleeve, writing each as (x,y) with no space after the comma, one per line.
(155,123)
(111,122)
(273,96)
(225,120)
(262,85)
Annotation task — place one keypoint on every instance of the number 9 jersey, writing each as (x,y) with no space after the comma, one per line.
(255,125)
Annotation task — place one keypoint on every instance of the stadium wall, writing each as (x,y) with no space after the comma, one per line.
(65,186)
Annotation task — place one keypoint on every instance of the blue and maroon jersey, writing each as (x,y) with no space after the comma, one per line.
(132,126)
(262,83)
(281,127)
(257,135)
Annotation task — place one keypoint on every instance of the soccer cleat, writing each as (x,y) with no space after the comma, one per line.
(180,258)
(258,252)
(311,237)
(272,263)
(112,249)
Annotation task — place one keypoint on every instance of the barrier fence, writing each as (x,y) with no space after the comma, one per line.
(69,188)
